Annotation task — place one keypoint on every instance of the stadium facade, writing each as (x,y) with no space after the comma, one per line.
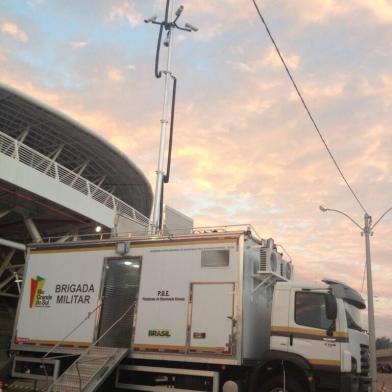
(59,179)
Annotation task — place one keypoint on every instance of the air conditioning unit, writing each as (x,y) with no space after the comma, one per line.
(287,270)
(270,261)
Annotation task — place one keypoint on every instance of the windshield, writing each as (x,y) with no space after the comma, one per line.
(355,317)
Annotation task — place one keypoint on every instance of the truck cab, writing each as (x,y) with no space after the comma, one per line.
(321,339)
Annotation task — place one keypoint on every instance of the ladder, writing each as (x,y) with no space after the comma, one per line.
(89,371)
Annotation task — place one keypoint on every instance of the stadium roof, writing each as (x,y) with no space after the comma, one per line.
(74,146)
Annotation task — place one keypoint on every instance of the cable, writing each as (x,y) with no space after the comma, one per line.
(169,154)
(158,73)
(306,107)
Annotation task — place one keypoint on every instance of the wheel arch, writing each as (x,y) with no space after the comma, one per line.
(272,364)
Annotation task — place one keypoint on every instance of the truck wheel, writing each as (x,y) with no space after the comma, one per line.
(275,384)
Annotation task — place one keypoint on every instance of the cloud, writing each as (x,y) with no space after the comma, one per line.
(125,11)
(255,105)
(316,90)
(35,3)
(382,9)
(318,11)
(208,31)
(269,60)
(272,60)
(14,31)
(78,44)
(321,11)
(114,74)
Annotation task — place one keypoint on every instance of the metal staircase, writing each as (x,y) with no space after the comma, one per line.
(93,366)
(89,370)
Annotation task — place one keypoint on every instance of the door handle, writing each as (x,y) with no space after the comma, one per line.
(329,339)
(291,339)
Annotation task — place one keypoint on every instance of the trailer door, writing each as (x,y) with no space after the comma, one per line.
(120,290)
(212,318)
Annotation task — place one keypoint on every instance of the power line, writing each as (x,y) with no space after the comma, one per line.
(306,107)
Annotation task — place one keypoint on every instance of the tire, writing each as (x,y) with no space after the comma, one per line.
(275,384)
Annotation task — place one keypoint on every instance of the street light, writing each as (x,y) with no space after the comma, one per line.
(366,231)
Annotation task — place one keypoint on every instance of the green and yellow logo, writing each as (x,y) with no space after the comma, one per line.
(38,298)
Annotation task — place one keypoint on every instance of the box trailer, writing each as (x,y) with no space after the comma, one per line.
(204,311)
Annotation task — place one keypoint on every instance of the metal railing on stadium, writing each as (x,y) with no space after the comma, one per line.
(24,154)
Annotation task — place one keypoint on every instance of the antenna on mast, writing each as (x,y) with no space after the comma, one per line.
(163,177)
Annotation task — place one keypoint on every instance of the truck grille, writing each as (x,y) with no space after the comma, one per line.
(263,260)
(364,359)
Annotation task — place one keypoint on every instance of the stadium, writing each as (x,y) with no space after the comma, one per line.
(58,181)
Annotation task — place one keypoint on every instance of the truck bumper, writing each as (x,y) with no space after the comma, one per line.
(355,383)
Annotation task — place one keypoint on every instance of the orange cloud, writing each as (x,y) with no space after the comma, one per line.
(14,31)
(382,9)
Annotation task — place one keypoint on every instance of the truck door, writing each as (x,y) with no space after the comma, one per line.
(307,331)
(212,318)
(120,290)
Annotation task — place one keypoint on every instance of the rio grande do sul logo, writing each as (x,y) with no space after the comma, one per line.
(38,298)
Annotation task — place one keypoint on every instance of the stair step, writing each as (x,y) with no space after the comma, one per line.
(93,358)
(87,365)
(66,386)
(73,378)
(92,361)
(102,350)
(92,368)
(82,372)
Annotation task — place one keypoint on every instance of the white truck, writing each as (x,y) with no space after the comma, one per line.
(208,311)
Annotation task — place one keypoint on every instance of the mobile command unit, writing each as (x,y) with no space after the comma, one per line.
(212,310)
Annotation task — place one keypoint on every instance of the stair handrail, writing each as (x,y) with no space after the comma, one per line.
(133,304)
(88,315)
(80,359)
(72,330)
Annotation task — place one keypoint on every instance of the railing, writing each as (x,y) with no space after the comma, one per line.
(59,342)
(142,235)
(32,158)
(81,359)
(88,315)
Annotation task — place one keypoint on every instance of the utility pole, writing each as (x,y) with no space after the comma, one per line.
(372,328)
(162,177)
(367,231)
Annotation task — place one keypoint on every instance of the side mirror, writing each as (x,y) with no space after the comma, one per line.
(331,306)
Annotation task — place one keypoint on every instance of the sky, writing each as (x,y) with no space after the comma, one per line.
(244,149)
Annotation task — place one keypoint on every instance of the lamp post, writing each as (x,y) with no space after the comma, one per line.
(367,231)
